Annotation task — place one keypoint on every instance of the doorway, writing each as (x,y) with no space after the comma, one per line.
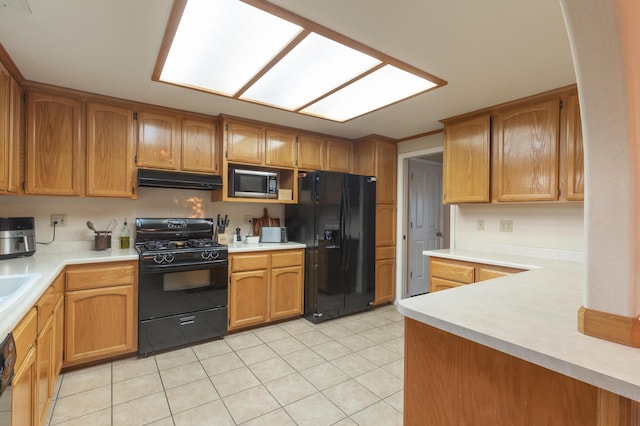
(426,228)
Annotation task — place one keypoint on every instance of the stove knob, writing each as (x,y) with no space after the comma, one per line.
(215,254)
(205,255)
(169,257)
(158,258)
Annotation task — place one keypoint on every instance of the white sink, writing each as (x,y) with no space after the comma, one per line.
(12,287)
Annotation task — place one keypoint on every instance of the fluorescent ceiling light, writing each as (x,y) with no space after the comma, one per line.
(255,51)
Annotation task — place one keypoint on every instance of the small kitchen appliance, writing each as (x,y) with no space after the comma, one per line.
(273,234)
(183,283)
(17,237)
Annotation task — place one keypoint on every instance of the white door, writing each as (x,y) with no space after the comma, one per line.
(425,221)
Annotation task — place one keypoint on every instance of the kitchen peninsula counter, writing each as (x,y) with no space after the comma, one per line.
(532,316)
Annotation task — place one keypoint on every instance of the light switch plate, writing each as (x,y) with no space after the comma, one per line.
(506,226)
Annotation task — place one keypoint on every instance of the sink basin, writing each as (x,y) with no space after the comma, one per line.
(13,287)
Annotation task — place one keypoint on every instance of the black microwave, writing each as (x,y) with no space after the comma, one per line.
(252,183)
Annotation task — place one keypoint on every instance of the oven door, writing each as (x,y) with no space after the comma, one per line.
(184,306)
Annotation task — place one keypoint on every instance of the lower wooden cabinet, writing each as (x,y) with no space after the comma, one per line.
(44,369)
(447,273)
(265,286)
(101,311)
(385,275)
(23,391)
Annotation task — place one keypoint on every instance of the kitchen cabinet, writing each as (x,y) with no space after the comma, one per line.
(54,155)
(110,151)
(447,273)
(385,275)
(248,289)
(101,311)
(158,140)
(339,156)
(575,151)
(466,163)
(378,156)
(10,132)
(287,283)
(265,286)
(311,152)
(199,152)
(526,148)
(24,395)
(44,368)
(280,148)
(244,143)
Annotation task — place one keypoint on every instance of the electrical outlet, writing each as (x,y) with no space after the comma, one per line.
(61,220)
(480,224)
(506,226)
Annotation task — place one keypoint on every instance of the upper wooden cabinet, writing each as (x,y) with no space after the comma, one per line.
(199,146)
(311,152)
(525,150)
(110,151)
(575,151)
(54,161)
(280,148)
(244,143)
(467,145)
(158,140)
(339,156)
(378,156)
(10,132)
(526,147)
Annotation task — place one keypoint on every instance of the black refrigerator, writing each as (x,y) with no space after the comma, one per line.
(336,218)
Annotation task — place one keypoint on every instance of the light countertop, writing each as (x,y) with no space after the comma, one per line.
(532,315)
(50,261)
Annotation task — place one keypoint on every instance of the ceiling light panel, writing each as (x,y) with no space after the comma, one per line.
(314,67)
(385,86)
(222,44)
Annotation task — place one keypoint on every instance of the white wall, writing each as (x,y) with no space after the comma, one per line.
(539,229)
(151,202)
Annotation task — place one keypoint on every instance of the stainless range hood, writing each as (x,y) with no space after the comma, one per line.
(170,179)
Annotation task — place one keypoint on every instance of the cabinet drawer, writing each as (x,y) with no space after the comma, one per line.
(385,252)
(490,272)
(287,258)
(438,284)
(249,262)
(96,276)
(44,307)
(25,335)
(461,273)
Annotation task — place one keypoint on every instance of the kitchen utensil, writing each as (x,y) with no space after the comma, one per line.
(90,226)
(265,220)
(111,225)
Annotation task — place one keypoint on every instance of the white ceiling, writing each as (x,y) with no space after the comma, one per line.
(489,51)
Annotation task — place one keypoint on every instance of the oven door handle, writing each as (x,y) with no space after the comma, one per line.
(188,320)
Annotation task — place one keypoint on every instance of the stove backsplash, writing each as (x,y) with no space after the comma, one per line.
(151,202)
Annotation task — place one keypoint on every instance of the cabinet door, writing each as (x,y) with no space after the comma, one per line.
(248,298)
(100,323)
(44,368)
(286,292)
(245,143)
(15,137)
(385,280)
(386,165)
(311,153)
(339,156)
(437,284)
(526,152)
(58,338)
(199,146)
(575,151)
(5,107)
(53,152)
(385,225)
(23,392)
(280,148)
(466,163)
(158,141)
(110,151)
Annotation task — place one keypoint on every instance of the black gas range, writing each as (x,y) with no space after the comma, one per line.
(183,283)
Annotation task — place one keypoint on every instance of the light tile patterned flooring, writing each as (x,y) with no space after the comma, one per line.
(346,371)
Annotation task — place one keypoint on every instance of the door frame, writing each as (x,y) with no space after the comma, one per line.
(402,222)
